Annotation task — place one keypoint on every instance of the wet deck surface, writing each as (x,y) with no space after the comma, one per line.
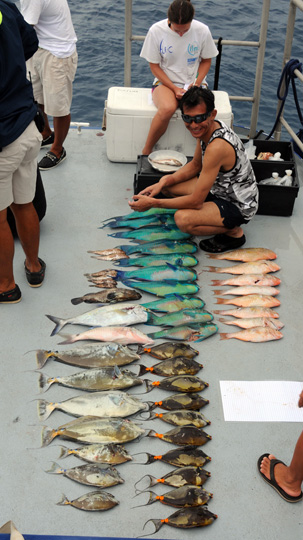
(83,191)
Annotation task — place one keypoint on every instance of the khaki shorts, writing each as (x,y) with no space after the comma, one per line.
(18,168)
(52,80)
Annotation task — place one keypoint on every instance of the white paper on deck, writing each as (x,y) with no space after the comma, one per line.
(261,401)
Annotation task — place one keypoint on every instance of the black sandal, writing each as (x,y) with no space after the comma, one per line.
(221,242)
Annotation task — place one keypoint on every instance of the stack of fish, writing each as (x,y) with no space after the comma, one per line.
(254,294)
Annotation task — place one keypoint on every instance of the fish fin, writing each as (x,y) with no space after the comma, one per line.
(45,409)
(152,482)
(76,301)
(55,469)
(44,382)
(157,523)
(42,357)
(226,321)
(151,500)
(217,282)
(48,435)
(58,322)
(64,452)
(172,266)
(225,336)
(142,370)
(63,501)
(117,372)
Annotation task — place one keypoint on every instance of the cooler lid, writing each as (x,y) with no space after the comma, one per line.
(123,100)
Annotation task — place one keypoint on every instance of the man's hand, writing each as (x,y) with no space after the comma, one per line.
(140,203)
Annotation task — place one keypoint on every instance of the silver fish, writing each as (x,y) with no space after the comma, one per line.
(89,475)
(93,502)
(112,454)
(119,334)
(111,296)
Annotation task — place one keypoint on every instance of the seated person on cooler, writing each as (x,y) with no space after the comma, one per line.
(216,192)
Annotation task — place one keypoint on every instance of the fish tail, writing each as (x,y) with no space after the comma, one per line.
(69,339)
(225,336)
(64,500)
(76,301)
(142,370)
(123,262)
(221,301)
(157,523)
(217,282)
(44,382)
(48,435)
(64,452)
(118,235)
(55,469)
(211,269)
(219,291)
(58,322)
(225,321)
(45,409)
(42,357)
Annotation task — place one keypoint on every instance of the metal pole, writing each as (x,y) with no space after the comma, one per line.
(259,68)
(128,43)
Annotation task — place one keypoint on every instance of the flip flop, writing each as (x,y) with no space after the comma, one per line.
(221,242)
(272,482)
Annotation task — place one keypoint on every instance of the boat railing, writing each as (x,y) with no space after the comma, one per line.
(294,4)
(260,45)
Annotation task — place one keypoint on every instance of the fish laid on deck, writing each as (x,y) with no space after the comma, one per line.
(185,316)
(249,279)
(151,234)
(245,255)
(163,288)
(184,456)
(93,380)
(186,518)
(183,435)
(118,334)
(146,213)
(183,417)
(190,332)
(183,476)
(156,247)
(179,383)
(169,350)
(91,429)
(151,273)
(253,322)
(258,267)
(184,400)
(111,296)
(111,454)
(257,335)
(251,300)
(90,356)
(249,312)
(172,366)
(174,302)
(89,475)
(148,221)
(104,404)
(182,497)
(249,289)
(93,502)
(177,259)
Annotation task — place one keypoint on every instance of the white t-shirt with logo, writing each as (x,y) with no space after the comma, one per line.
(178,56)
(53,24)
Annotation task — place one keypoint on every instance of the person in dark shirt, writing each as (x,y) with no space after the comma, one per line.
(20,142)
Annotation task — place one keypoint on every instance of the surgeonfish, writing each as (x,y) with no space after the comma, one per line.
(249,289)
(174,302)
(118,334)
(177,259)
(92,429)
(150,273)
(245,255)
(183,417)
(258,267)
(257,334)
(93,501)
(172,366)
(183,435)
(178,383)
(150,234)
(105,404)
(190,401)
(183,476)
(89,475)
(249,279)
(249,312)
(251,300)
(184,456)
(90,356)
(253,322)
(158,247)
(93,380)
(164,288)
(186,518)
(112,454)
(190,332)
(182,497)
(154,221)
(110,296)
(169,350)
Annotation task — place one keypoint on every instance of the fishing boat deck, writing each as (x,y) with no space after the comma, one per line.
(82,192)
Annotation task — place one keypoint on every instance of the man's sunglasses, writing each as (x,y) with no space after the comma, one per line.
(197,119)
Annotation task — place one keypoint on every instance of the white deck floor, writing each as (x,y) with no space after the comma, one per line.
(84,190)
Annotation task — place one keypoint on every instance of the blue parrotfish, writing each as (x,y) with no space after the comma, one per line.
(163,288)
(190,332)
(155,221)
(153,233)
(174,302)
(180,318)
(151,273)
(147,213)
(177,259)
(158,247)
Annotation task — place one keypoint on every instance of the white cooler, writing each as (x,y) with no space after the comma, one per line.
(128,115)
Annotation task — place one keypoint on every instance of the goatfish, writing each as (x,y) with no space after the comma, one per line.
(172,366)
(89,475)
(111,296)
(190,401)
(249,289)
(118,334)
(155,221)
(151,273)
(151,212)
(158,247)
(186,518)
(150,234)
(183,476)
(164,288)
(180,457)
(111,315)
(93,380)
(92,502)
(169,350)
(249,279)
(92,429)
(177,259)
(256,335)
(178,383)
(182,418)
(112,454)
(90,356)
(245,255)
(179,318)
(251,300)
(105,404)
(249,312)
(182,497)
(183,435)
(253,322)
(174,302)
(191,332)
(258,267)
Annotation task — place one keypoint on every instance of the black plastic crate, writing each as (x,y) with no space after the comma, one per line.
(285,148)
(275,200)
(145,174)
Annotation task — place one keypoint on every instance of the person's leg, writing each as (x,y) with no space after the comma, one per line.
(47,132)
(166,103)
(204,222)
(7,281)
(61,128)
(28,229)
(289,478)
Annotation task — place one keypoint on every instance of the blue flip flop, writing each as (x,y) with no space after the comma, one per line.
(272,482)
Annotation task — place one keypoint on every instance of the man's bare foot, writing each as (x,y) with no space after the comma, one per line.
(282,476)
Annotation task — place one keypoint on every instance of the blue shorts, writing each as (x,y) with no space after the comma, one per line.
(231,215)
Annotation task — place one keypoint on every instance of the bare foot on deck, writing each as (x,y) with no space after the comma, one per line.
(282,476)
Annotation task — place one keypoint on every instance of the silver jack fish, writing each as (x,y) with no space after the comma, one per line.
(93,502)
(112,454)
(89,475)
